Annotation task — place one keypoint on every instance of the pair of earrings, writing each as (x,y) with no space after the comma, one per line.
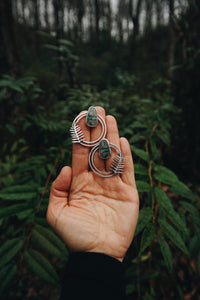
(101,144)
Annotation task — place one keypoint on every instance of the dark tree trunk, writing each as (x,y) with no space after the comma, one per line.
(9,58)
(67,22)
(36,14)
(80,14)
(91,19)
(148,21)
(172,39)
(120,29)
(15,9)
(61,18)
(109,18)
(59,31)
(46,14)
(135,20)
(97,17)
(158,12)
(135,16)
(23,10)
(58,18)
(119,18)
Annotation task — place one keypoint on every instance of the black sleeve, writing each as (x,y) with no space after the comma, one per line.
(93,276)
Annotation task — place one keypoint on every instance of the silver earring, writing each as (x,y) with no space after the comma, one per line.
(92,119)
(104,148)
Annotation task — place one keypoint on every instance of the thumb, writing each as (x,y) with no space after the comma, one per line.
(63,181)
(59,193)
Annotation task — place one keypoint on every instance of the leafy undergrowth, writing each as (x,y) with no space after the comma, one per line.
(164,259)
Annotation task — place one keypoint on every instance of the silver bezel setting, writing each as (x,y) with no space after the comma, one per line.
(78,136)
(117,165)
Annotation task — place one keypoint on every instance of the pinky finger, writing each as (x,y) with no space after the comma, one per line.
(127,176)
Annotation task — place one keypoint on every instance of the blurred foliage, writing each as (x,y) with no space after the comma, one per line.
(37,144)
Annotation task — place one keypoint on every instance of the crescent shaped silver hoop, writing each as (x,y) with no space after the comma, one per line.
(78,135)
(117,165)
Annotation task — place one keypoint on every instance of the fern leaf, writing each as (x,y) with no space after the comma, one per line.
(194,246)
(147,237)
(28,213)
(7,245)
(167,176)
(190,208)
(145,216)
(11,251)
(164,136)
(154,150)
(142,186)
(13,209)
(51,236)
(18,196)
(142,154)
(19,188)
(41,221)
(140,169)
(42,242)
(40,266)
(6,276)
(167,207)
(173,235)
(166,253)
(183,192)
(166,171)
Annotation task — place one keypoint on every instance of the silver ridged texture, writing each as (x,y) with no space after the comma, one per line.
(116,166)
(78,136)
(76,133)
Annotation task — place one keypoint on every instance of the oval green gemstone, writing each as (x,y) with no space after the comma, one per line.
(104,149)
(91,118)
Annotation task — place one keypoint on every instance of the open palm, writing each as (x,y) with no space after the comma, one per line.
(92,213)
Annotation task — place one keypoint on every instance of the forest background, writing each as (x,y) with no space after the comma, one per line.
(140,60)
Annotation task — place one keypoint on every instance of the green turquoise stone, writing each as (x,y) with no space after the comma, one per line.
(91,118)
(104,149)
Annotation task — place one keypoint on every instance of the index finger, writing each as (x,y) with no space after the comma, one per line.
(80,154)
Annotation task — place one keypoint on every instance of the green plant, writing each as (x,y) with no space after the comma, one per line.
(39,146)
(64,55)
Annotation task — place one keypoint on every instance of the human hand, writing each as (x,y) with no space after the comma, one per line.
(91,213)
